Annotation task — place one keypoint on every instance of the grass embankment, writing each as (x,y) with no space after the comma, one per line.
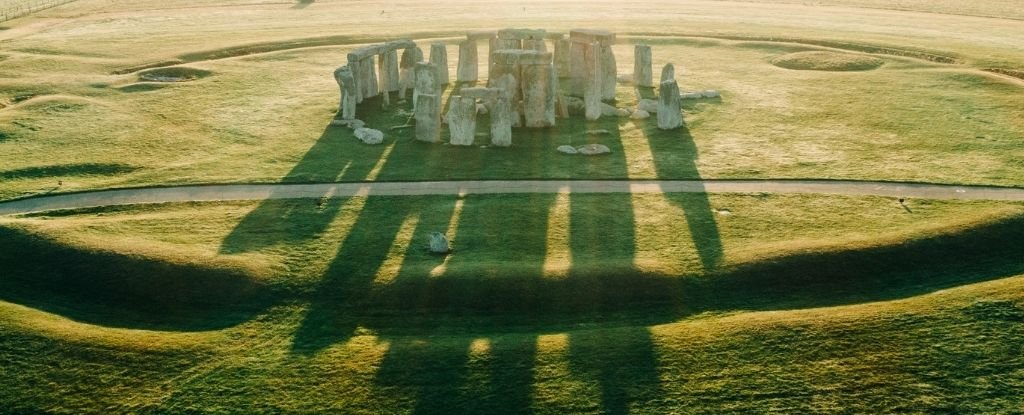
(853,304)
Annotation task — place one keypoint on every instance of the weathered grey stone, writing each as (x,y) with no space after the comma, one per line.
(481,93)
(353,123)
(577,68)
(462,120)
(567,149)
(502,115)
(538,95)
(347,86)
(668,72)
(506,77)
(575,106)
(395,45)
(593,91)
(492,46)
(643,74)
(369,66)
(593,149)
(608,73)
(640,115)
(389,73)
(410,57)
(562,64)
(669,114)
(692,95)
(439,57)
(428,118)
(625,79)
(649,105)
(369,135)
(481,109)
(467,70)
(521,34)
(535,44)
(608,110)
(439,243)
(711,94)
(427,82)
(588,36)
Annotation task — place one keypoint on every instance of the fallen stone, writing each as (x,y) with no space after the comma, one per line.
(353,123)
(692,95)
(625,79)
(608,110)
(598,132)
(711,94)
(439,243)
(640,115)
(649,105)
(567,150)
(369,135)
(621,112)
(593,149)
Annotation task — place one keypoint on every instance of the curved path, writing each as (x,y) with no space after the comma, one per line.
(224,192)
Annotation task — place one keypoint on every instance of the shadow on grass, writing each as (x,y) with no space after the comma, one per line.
(115,290)
(65,170)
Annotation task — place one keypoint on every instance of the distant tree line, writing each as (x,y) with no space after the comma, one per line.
(15,9)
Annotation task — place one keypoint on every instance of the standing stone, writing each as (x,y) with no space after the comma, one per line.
(347,84)
(468,62)
(492,46)
(593,89)
(562,64)
(427,83)
(383,82)
(609,73)
(357,74)
(428,118)
(538,91)
(535,44)
(462,120)
(501,114)
(390,78)
(439,57)
(507,75)
(668,73)
(669,115)
(643,74)
(577,68)
(370,73)
(410,57)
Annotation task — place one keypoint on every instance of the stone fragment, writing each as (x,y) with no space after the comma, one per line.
(346,83)
(353,123)
(711,94)
(567,149)
(369,135)
(608,110)
(467,70)
(594,149)
(648,105)
(462,120)
(668,72)
(640,115)
(692,95)
(428,118)
(669,114)
(439,243)
(439,57)
(643,74)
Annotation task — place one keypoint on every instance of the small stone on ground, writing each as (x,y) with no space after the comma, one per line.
(369,135)
(594,149)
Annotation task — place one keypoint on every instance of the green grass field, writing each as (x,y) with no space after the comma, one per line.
(549,303)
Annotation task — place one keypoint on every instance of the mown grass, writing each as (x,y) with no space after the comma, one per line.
(854,305)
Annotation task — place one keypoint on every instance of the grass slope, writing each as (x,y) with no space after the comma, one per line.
(855,304)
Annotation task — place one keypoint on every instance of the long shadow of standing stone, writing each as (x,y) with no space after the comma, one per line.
(675,155)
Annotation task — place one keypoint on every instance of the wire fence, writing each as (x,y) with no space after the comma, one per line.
(13,9)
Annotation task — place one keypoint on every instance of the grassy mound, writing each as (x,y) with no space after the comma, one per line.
(116,290)
(827,61)
(173,74)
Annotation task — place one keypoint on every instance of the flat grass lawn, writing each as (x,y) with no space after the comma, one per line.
(264,117)
(578,303)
